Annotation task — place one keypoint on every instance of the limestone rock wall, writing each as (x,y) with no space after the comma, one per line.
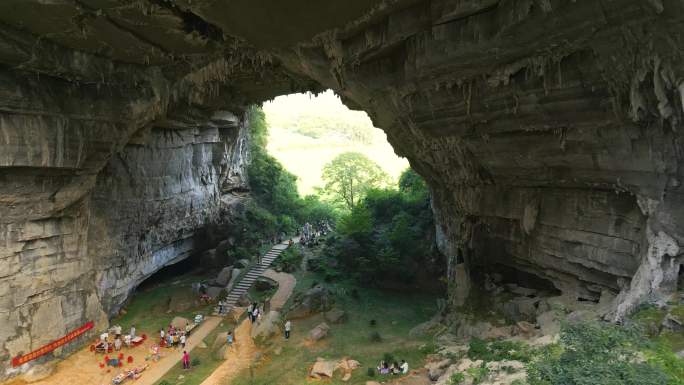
(153,200)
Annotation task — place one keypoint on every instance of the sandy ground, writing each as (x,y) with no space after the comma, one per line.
(82,368)
(241,355)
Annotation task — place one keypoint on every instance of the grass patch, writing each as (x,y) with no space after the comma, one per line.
(395,314)
(499,351)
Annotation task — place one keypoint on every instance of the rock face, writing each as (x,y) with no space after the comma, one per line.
(548,131)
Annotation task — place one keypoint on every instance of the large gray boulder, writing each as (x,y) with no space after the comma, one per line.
(319,332)
(264,284)
(314,300)
(267,326)
(224,276)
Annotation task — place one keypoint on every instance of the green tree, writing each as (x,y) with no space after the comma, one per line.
(349,176)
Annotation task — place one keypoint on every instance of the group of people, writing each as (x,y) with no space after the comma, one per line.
(395,368)
(119,340)
(174,336)
(311,233)
(254,312)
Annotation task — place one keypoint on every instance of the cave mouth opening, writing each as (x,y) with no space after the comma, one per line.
(180,270)
(306,131)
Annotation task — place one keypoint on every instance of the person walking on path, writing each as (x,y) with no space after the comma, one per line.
(182,340)
(288,328)
(186,360)
(250,308)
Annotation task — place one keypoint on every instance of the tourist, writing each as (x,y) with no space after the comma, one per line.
(255,312)
(132,331)
(182,341)
(161,334)
(220,307)
(169,340)
(104,337)
(404,367)
(258,259)
(187,328)
(186,360)
(395,368)
(288,327)
(383,368)
(229,338)
(117,343)
(290,243)
(250,308)
(117,331)
(127,340)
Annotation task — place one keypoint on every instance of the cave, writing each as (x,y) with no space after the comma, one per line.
(548,132)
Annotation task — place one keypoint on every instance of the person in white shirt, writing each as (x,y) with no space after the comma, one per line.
(132,331)
(104,336)
(404,367)
(288,328)
(182,341)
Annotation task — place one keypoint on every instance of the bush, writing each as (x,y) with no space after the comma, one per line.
(164,382)
(456,379)
(479,374)
(370,372)
(388,357)
(195,361)
(375,337)
(498,351)
(596,353)
(290,259)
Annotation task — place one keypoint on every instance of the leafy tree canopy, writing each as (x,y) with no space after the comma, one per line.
(349,176)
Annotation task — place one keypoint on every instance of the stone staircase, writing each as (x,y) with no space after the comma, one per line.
(250,277)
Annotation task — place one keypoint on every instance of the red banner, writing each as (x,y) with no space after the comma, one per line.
(20,360)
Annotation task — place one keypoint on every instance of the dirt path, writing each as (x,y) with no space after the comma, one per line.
(286,284)
(83,366)
(242,353)
(156,372)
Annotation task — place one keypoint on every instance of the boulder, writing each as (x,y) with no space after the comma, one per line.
(335,316)
(524,329)
(180,322)
(224,276)
(314,300)
(582,315)
(437,368)
(233,278)
(673,322)
(265,284)
(427,327)
(267,326)
(242,263)
(521,309)
(319,332)
(214,291)
(323,368)
(549,323)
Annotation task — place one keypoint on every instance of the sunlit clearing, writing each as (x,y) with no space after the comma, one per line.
(307,131)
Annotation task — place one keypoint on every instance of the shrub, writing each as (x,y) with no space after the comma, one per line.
(195,361)
(479,374)
(164,382)
(595,353)
(456,379)
(388,357)
(370,372)
(375,337)
(290,259)
(498,351)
